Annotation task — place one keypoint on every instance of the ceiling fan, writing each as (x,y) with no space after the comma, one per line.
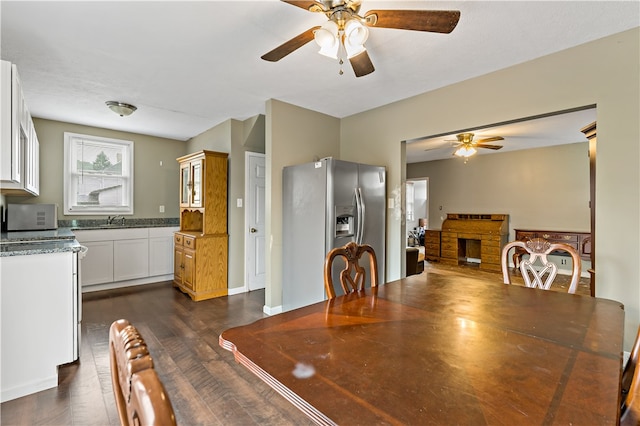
(345,32)
(466,146)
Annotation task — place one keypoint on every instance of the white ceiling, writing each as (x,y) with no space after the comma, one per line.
(539,132)
(189,66)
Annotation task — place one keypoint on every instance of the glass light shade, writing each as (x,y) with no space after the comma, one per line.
(355,33)
(353,49)
(120,108)
(327,38)
(327,34)
(464,151)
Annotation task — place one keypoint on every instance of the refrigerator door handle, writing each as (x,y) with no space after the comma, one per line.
(361,215)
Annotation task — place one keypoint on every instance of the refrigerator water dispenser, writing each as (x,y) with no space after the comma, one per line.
(345,221)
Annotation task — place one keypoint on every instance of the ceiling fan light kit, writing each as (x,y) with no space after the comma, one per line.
(345,32)
(465,151)
(466,146)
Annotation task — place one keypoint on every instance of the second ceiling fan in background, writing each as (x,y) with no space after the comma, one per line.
(344,34)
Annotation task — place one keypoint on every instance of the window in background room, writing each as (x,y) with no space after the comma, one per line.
(410,201)
(98,175)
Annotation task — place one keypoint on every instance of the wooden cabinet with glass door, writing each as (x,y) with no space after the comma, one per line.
(201,244)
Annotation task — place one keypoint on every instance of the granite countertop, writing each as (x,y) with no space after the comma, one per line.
(82,224)
(18,243)
(13,237)
(39,247)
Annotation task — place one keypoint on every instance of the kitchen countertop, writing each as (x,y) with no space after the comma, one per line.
(82,224)
(39,247)
(19,243)
(13,237)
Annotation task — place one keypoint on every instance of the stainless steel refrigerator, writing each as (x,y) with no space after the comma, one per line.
(326,204)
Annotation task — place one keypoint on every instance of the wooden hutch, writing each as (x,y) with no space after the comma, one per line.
(201,245)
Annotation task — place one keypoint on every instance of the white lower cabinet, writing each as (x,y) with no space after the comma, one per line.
(130,259)
(38,315)
(97,265)
(160,251)
(125,256)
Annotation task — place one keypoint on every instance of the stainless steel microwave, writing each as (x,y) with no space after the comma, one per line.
(31,217)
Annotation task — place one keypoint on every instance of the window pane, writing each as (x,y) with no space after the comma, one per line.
(98,175)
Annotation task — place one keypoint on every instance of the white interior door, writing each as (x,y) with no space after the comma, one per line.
(255,248)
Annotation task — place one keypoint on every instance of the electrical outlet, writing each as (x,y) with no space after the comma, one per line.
(161,209)
(563,261)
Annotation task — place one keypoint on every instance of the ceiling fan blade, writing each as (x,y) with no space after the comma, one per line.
(362,64)
(437,21)
(492,139)
(494,147)
(289,46)
(312,6)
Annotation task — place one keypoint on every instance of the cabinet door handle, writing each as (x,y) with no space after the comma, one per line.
(253,230)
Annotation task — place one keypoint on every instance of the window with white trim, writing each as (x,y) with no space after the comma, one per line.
(410,201)
(98,175)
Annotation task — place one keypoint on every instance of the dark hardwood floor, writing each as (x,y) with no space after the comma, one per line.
(205,384)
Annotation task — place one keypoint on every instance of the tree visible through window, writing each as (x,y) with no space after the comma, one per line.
(98,175)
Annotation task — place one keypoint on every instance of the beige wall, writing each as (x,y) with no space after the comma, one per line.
(294,135)
(154,185)
(605,73)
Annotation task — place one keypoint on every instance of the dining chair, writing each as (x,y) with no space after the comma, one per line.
(630,388)
(537,270)
(141,398)
(353,276)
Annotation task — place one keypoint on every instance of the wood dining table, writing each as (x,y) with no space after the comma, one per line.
(442,349)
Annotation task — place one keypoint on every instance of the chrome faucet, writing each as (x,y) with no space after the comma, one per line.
(111,219)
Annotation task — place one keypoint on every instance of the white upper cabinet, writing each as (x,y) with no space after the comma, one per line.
(19,146)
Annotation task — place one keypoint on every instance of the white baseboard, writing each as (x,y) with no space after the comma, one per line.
(272,311)
(236,290)
(29,388)
(127,283)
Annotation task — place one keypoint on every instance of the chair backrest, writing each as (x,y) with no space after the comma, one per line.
(412,261)
(353,276)
(541,276)
(630,388)
(140,397)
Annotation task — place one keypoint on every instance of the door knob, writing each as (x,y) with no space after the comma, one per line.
(253,230)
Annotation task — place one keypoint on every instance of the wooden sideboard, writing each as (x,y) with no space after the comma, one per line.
(580,241)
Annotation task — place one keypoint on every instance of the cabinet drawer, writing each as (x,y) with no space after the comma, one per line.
(449,245)
(490,244)
(520,235)
(432,246)
(448,237)
(564,238)
(487,258)
(177,239)
(433,251)
(190,242)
